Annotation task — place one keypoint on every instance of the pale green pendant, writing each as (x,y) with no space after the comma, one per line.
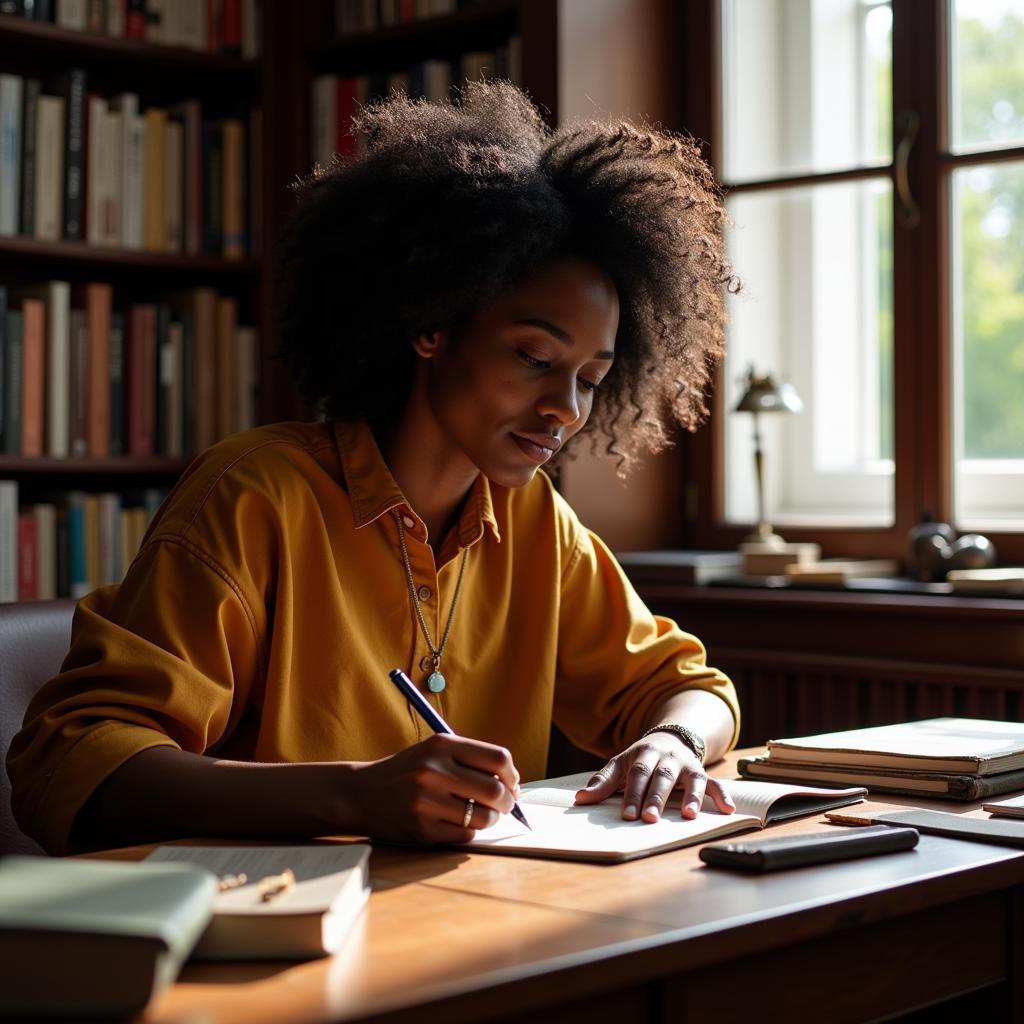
(435,682)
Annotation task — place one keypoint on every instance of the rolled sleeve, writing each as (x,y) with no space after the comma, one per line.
(169,658)
(618,661)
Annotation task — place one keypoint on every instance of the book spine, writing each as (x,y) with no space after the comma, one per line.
(33,388)
(159,392)
(139,376)
(213,183)
(174,186)
(8,540)
(29,128)
(12,381)
(232,27)
(94,15)
(79,390)
(153,180)
(27,586)
(10,152)
(99,298)
(132,157)
(4,370)
(117,445)
(49,166)
(58,361)
(73,90)
(63,543)
(71,14)
(233,190)
(46,551)
(227,369)
(95,187)
(117,11)
(92,541)
(135,19)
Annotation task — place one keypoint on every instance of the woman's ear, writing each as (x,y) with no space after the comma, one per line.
(427,345)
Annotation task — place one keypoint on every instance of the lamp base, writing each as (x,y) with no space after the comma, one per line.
(764,534)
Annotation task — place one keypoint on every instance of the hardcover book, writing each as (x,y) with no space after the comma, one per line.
(941,785)
(92,937)
(966,746)
(309,918)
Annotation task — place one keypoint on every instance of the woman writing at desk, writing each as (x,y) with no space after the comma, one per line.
(461,300)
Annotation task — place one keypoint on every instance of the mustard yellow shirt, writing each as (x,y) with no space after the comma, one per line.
(269,601)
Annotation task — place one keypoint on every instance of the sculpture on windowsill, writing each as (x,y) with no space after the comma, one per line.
(935,549)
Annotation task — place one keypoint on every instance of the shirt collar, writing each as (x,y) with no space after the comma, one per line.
(373,491)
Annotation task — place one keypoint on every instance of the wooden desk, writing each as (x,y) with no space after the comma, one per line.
(453,937)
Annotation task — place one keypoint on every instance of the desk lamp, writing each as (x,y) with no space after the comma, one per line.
(763,395)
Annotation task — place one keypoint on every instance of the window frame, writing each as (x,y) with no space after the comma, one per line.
(922,341)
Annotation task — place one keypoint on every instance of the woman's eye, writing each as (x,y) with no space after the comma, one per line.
(531,361)
(590,385)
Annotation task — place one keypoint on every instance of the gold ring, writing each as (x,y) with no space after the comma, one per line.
(468,816)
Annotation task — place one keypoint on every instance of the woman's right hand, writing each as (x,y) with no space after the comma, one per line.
(420,794)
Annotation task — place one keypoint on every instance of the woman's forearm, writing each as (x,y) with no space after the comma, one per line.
(164,793)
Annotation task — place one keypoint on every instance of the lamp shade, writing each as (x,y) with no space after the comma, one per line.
(763,394)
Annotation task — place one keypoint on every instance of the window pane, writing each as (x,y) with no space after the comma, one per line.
(807,86)
(987,74)
(988,333)
(816,266)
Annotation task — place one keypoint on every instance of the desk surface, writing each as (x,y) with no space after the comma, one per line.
(454,936)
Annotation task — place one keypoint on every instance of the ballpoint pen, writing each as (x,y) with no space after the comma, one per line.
(424,709)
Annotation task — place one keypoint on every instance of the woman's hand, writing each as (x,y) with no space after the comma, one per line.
(648,772)
(420,794)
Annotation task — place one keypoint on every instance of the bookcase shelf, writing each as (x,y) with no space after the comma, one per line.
(467,29)
(41,38)
(115,465)
(53,256)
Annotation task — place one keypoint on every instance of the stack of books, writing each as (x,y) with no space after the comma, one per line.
(948,758)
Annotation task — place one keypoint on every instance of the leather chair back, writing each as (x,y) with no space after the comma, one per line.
(34,639)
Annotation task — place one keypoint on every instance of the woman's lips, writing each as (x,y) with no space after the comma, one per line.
(535,452)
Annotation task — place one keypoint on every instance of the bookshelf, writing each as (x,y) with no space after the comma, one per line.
(170,55)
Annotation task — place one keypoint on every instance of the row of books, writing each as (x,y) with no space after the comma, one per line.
(79,378)
(369,15)
(231,27)
(79,166)
(69,545)
(335,99)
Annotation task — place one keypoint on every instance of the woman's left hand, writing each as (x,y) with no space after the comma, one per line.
(649,772)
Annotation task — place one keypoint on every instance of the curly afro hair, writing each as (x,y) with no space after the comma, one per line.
(449,205)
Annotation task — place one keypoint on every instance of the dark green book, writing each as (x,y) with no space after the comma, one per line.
(95,938)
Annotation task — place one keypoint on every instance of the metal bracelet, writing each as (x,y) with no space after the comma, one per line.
(688,736)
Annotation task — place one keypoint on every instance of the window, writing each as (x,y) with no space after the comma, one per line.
(873,159)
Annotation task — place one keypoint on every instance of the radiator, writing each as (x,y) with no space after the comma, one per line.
(785,694)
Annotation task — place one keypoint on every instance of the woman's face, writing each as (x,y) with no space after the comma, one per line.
(521,378)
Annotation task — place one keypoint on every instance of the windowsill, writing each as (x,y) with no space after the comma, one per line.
(863,585)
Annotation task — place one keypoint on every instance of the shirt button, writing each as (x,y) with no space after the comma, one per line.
(423,593)
(426,663)
(409,524)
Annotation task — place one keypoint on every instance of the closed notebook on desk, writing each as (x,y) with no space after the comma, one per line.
(94,938)
(966,746)
(311,919)
(940,785)
(597,832)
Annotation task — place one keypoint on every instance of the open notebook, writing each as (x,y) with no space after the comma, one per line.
(597,831)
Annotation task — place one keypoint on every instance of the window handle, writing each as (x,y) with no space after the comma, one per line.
(907,211)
